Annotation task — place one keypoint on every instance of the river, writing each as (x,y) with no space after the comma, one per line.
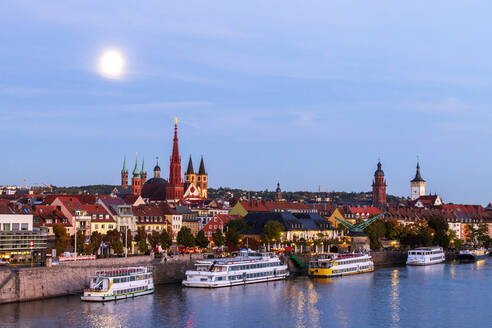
(443,295)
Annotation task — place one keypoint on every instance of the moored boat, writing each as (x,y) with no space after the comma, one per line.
(340,265)
(247,268)
(119,284)
(472,255)
(426,256)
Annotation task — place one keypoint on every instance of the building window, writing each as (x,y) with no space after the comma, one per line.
(15,226)
(96,226)
(6,226)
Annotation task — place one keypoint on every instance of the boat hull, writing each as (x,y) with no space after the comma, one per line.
(419,263)
(471,257)
(219,284)
(327,273)
(107,298)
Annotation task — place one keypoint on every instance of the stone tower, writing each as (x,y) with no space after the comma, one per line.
(379,187)
(124,175)
(417,185)
(175,189)
(136,180)
(202,180)
(190,175)
(278,193)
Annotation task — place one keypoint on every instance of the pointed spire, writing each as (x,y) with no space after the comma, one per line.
(124,170)
(190,169)
(143,166)
(201,170)
(136,172)
(418,177)
(157,167)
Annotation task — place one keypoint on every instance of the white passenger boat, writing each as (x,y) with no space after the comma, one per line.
(425,256)
(340,265)
(247,268)
(119,284)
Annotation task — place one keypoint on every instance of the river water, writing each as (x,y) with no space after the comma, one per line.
(443,295)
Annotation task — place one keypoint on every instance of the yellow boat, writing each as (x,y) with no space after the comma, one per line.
(340,265)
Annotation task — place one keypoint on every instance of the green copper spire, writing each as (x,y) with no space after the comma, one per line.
(136,172)
(124,170)
(143,166)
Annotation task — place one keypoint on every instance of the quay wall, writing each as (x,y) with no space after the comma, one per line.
(25,284)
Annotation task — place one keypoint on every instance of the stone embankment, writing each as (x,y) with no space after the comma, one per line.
(25,284)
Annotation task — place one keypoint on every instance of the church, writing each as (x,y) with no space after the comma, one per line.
(175,189)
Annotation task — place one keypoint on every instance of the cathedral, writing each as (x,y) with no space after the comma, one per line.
(193,188)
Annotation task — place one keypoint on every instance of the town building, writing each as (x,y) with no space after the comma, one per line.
(18,237)
(217,223)
(242,208)
(151,218)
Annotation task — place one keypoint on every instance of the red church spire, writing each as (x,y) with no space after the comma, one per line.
(175,188)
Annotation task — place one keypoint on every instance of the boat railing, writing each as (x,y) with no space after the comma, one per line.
(123,272)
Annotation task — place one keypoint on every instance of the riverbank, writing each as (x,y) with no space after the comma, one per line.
(26,284)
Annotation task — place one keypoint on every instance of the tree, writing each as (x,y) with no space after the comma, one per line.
(375,231)
(218,238)
(272,231)
(154,239)
(113,240)
(95,242)
(185,237)
(142,246)
(479,235)
(201,240)
(394,230)
(61,239)
(165,239)
(232,238)
(80,241)
(141,234)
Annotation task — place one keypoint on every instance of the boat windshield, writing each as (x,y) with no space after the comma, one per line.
(218,268)
(202,267)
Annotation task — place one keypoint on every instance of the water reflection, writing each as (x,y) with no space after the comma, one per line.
(395,298)
(400,298)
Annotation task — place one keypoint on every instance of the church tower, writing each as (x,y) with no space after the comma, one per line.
(379,187)
(278,193)
(417,185)
(175,190)
(202,180)
(157,169)
(124,175)
(190,175)
(136,180)
(143,173)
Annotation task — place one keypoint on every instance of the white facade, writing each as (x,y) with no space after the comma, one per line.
(456,227)
(417,189)
(16,222)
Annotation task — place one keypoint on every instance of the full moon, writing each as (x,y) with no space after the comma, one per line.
(111,64)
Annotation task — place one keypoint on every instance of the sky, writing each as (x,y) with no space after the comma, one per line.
(309,94)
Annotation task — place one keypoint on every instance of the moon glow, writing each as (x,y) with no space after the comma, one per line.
(111,64)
